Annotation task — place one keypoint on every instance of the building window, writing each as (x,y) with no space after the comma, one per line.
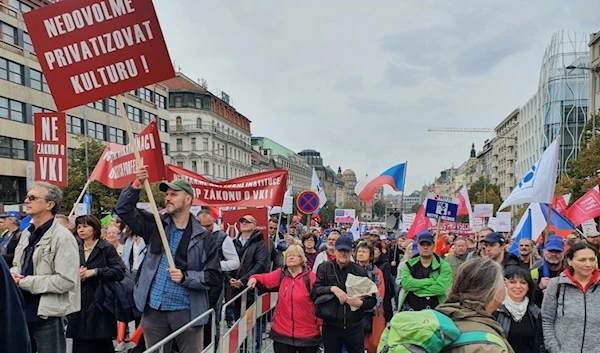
(99,105)
(180,164)
(160,100)
(116,135)
(134,114)
(74,125)
(15,72)
(199,123)
(199,102)
(179,145)
(163,126)
(165,148)
(35,79)
(146,94)
(194,167)
(112,107)
(205,144)
(13,148)
(178,101)
(178,124)
(3,69)
(95,130)
(11,109)
(193,143)
(147,117)
(9,33)
(27,44)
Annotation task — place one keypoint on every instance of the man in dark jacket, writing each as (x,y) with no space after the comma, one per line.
(495,250)
(8,243)
(347,329)
(13,326)
(169,297)
(549,267)
(276,260)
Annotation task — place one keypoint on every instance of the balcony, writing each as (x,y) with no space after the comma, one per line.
(207,129)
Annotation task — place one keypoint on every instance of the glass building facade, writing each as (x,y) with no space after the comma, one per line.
(560,106)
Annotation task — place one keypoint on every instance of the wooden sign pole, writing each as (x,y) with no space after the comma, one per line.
(138,159)
(80,196)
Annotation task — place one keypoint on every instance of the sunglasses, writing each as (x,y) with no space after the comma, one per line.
(273,228)
(33,198)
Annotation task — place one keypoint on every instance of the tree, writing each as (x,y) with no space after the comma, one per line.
(327,213)
(379,208)
(103,198)
(482,191)
(415,208)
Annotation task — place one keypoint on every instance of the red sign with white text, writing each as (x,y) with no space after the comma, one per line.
(93,49)
(231,221)
(50,151)
(255,190)
(586,208)
(116,166)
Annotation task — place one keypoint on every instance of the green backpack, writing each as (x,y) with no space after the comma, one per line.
(429,331)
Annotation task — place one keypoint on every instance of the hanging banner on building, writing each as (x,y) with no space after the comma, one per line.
(50,150)
(93,49)
(231,221)
(116,166)
(255,190)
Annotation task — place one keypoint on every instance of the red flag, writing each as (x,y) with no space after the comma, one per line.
(420,224)
(116,166)
(586,208)
(255,190)
(440,245)
(560,203)
(464,204)
(316,217)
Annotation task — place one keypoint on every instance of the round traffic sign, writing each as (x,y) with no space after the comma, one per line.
(307,202)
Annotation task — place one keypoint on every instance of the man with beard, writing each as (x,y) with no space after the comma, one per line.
(549,267)
(593,239)
(527,256)
(170,297)
(330,253)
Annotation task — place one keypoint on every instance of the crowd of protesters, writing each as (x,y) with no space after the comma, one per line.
(71,280)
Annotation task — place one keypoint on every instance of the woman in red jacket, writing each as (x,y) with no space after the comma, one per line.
(295,326)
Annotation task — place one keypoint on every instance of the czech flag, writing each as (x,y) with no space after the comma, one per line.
(394,177)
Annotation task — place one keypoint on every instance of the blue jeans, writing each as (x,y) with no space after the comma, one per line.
(48,336)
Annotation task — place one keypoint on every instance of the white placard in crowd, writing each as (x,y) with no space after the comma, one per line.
(408,219)
(503,220)
(589,227)
(80,209)
(493,223)
(477,224)
(484,210)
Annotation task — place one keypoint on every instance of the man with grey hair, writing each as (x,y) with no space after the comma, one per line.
(8,243)
(46,268)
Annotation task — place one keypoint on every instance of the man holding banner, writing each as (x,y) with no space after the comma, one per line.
(170,297)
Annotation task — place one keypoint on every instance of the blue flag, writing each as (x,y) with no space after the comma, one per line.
(87,200)
(525,233)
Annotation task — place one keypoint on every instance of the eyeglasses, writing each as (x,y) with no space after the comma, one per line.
(33,198)
(243,221)
(273,228)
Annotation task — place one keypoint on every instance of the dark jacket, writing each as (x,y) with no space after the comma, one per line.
(330,274)
(384,265)
(92,322)
(276,258)
(395,254)
(511,259)
(11,246)
(256,259)
(13,326)
(198,257)
(535,314)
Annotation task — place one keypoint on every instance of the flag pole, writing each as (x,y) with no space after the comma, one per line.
(87,183)
(547,229)
(138,160)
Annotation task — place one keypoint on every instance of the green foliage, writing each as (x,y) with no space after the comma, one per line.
(379,208)
(482,191)
(327,213)
(415,208)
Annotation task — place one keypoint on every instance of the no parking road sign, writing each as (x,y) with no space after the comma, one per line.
(441,207)
(307,202)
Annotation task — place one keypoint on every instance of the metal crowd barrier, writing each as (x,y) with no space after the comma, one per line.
(241,334)
(160,346)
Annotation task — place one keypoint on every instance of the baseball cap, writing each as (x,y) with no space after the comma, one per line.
(494,237)
(425,236)
(249,218)
(177,185)
(343,243)
(555,243)
(374,232)
(11,214)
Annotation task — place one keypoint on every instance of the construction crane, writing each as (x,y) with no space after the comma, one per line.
(459,129)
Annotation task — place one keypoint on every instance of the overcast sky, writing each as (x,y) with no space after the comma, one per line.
(361,81)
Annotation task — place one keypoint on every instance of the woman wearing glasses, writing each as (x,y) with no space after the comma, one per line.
(295,326)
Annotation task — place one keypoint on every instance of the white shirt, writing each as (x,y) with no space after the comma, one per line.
(137,249)
(232,260)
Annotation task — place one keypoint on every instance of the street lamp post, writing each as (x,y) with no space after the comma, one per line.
(573,67)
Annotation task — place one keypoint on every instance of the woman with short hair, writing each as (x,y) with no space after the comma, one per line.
(520,318)
(309,242)
(476,293)
(295,326)
(93,329)
(571,305)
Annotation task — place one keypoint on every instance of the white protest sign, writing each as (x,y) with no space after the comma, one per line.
(589,227)
(80,209)
(493,223)
(504,222)
(408,219)
(483,210)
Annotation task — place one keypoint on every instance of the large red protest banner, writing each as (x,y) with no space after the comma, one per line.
(116,166)
(231,221)
(93,49)
(255,190)
(586,208)
(50,151)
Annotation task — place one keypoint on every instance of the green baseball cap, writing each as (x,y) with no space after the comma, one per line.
(177,185)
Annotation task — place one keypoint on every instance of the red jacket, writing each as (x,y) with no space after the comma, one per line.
(294,320)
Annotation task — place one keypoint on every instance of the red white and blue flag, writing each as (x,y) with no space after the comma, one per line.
(395,177)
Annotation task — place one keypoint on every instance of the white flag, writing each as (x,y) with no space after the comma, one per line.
(316,186)
(288,201)
(355,229)
(538,184)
